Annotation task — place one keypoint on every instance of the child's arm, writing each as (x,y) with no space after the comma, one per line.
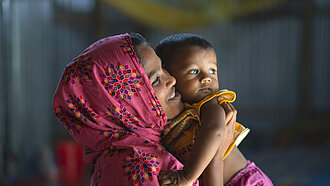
(216,131)
(212,175)
(234,162)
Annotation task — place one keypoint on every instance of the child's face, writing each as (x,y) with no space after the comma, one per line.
(195,69)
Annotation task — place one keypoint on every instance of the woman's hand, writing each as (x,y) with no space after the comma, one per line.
(173,177)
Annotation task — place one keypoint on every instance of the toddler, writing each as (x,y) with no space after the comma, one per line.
(192,61)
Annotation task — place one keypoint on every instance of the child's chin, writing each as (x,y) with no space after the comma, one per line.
(196,99)
(202,95)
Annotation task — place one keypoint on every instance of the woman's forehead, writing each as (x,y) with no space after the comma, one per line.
(149,60)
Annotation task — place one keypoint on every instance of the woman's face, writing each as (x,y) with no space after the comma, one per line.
(161,81)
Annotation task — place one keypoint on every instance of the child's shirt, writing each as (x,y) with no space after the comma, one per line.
(180,133)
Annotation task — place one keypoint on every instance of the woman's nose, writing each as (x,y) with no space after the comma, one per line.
(171,81)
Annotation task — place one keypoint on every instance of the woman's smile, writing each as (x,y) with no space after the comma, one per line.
(162,82)
(175,96)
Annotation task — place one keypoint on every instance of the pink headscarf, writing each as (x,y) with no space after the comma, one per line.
(106,102)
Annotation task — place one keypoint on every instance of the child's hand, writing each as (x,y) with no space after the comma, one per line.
(225,115)
(173,177)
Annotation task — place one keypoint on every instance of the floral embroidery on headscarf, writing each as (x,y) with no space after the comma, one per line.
(79,107)
(71,123)
(127,48)
(110,151)
(120,81)
(79,71)
(129,120)
(156,146)
(158,108)
(116,134)
(157,128)
(78,110)
(140,166)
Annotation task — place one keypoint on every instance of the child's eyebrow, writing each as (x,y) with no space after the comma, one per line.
(191,63)
(213,62)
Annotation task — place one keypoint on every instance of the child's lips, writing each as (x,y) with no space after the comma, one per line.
(205,89)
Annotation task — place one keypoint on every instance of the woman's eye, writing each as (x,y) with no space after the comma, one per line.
(193,72)
(156,81)
(212,71)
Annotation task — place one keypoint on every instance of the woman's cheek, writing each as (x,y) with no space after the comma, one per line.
(160,95)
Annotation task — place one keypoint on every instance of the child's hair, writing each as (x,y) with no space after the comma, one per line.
(169,46)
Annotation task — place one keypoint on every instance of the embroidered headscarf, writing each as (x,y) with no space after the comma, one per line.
(106,102)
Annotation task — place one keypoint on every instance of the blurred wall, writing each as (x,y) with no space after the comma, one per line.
(34,50)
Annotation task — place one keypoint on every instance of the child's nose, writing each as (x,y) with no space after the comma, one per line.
(206,79)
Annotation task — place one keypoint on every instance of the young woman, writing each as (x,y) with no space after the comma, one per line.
(115,99)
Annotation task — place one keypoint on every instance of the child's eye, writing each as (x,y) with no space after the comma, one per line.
(212,71)
(193,71)
(155,82)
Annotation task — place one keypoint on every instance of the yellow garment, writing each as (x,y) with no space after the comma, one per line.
(185,15)
(179,135)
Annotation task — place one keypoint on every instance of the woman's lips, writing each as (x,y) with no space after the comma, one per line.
(175,96)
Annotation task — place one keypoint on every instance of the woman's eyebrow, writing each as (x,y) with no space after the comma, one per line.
(153,72)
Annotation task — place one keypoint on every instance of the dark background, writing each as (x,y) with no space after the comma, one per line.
(274,54)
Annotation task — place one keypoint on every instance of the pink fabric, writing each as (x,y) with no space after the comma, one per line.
(106,102)
(251,175)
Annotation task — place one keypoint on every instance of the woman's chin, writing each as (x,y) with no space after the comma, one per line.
(174,112)
(181,107)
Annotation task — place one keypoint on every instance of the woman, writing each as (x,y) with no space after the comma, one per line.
(107,102)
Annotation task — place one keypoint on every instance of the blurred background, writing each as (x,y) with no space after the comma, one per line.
(275,54)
